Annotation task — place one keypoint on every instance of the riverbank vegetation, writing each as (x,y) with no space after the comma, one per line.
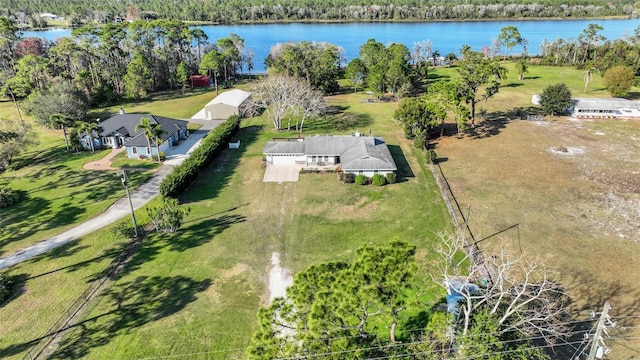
(27,11)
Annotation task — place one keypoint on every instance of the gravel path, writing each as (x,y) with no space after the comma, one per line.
(139,197)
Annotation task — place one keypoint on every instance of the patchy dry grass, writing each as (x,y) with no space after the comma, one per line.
(574,188)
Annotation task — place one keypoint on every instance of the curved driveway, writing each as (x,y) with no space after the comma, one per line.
(140,196)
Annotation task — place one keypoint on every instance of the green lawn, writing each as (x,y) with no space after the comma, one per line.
(59,193)
(199,290)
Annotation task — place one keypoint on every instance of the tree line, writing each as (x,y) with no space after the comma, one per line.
(116,61)
(234,11)
(59,81)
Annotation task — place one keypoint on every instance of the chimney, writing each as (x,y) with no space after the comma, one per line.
(121,111)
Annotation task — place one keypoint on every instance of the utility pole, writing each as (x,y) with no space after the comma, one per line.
(596,338)
(125,183)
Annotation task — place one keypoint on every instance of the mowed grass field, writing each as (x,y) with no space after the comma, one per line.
(197,292)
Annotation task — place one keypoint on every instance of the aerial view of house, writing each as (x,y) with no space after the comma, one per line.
(367,155)
(120,130)
(606,108)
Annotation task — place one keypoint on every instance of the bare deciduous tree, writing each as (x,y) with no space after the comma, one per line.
(281,96)
(517,289)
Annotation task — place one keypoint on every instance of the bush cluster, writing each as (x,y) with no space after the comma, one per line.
(378,180)
(182,175)
(8,197)
(361,179)
(5,287)
(347,178)
(391,178)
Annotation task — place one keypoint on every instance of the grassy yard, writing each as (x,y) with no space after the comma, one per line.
(199,290)
(59,192)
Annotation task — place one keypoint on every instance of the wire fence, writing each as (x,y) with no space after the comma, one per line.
(46,344)
(459,219)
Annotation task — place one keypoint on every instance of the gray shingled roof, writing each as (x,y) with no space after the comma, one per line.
(284,147)
(605,103)
(356,152)
(125,124)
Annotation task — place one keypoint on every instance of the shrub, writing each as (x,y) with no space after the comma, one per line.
(182,175)
(8,197)
(348,178)
(391,178)
(5,287)
(122,229)
(431,156)
(361,179)
(163,157)
(378,180)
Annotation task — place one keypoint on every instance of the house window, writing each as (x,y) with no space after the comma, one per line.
(105,141)
(134,149)
(148,151)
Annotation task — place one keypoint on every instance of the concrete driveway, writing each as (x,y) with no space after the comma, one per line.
(281,173)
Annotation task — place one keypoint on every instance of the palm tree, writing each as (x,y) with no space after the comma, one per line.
(157,132)
(88,129)
(588,76)
(146,125)
(521,68)
(57,120)
(436,55)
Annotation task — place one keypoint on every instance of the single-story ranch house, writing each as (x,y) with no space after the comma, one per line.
(367,155)
(606,108)
(232,102)
(119,130)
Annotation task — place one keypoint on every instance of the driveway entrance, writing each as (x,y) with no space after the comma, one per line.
(281,173)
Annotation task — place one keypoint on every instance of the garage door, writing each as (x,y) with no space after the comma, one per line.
(283,160)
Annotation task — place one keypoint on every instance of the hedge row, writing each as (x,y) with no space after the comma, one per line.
(182,175)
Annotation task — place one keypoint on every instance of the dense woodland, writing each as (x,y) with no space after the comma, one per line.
(235,11)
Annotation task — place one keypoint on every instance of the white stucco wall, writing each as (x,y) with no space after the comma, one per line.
(368,174)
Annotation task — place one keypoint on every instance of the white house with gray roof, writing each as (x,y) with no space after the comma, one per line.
(614,108)
(367,155)
(119,130)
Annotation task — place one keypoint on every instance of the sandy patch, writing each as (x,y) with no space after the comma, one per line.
(234,271)
(568,151)
(279,278)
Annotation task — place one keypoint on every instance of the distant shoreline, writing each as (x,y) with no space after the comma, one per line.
(319,21)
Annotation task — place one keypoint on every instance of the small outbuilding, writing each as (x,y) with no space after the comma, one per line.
(200,80)
(229,103)
(614,108)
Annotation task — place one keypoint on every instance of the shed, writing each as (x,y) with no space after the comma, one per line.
(232,102)
(200,80)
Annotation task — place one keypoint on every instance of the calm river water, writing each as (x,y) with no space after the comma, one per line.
(446,37)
